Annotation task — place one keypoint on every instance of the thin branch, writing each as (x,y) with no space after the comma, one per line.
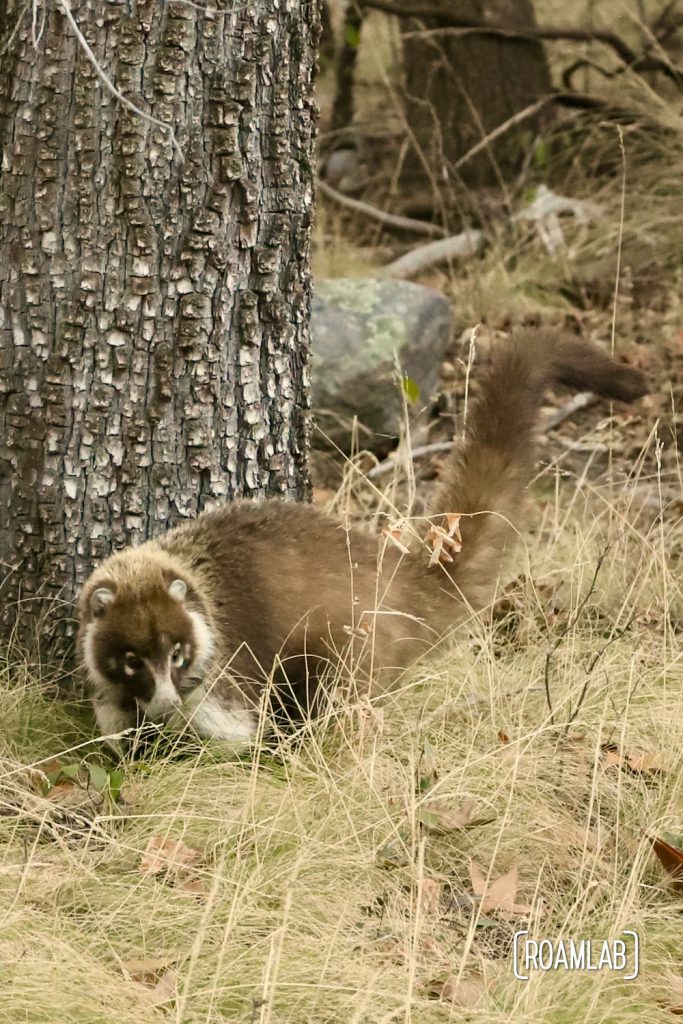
(421,227)
(109,85)
(389,465)
(17,26)
(521,115)
(569,625)
(595,658)
(580,401)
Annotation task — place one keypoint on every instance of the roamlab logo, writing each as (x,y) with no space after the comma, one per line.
(588,955)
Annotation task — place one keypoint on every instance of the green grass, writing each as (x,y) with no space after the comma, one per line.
(313,857)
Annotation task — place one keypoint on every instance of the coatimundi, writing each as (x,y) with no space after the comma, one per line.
(194,628)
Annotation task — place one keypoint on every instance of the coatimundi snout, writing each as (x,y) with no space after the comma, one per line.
(193,628)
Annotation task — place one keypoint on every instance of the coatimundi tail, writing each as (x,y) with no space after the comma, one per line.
(195,627)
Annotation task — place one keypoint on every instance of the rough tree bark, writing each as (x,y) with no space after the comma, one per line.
(459,86)
(153,309)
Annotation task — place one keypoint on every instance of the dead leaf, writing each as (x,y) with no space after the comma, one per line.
(146,970)
(165,989)
(443,538)
(162,854)
(500,894)
(193,886)
(439,818)
(430,896)
(460,991)
(671,859)
(646,764)
(611,757)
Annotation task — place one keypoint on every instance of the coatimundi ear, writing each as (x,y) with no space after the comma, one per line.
(100,600)
(178,590)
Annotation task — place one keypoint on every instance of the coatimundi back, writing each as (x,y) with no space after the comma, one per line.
(194,628)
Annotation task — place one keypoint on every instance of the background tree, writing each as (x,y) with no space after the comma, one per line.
(155,209)
(461,84)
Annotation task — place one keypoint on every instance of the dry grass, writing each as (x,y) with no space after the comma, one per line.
(314,858)
(313,905)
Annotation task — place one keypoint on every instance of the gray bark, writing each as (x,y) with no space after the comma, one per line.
(153,311)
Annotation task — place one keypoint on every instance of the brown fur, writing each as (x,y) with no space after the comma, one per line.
(281,581)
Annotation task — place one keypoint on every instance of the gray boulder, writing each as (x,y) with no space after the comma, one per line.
(363,329)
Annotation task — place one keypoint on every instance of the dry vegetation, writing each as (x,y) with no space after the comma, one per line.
(331,880)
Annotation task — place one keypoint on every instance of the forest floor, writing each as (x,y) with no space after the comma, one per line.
(529,778)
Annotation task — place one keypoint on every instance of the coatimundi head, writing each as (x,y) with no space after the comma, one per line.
(144,635)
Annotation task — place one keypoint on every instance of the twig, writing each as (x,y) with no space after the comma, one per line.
(17,26)
(580,401)
(521,115)
(595,658)
(109,85)
(421,227)
(424,449)
(569,625)
(467,243)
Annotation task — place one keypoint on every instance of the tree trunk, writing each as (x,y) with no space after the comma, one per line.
(154,307)
(459,87)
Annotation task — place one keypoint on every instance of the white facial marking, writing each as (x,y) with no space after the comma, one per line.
(165,698)
(178,590)
(96,677)
(203,640)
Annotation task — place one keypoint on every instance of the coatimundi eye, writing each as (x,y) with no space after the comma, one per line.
(133,663)
(178,656)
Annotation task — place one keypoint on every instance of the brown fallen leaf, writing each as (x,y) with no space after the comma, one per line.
(500,894)
(671,859)
(646,764)
(163,854)
(193,886)
(611,757)
(147,970)
(642,764)
(444,539)
(437,817)
(430,896)
(165,989)
(460,991)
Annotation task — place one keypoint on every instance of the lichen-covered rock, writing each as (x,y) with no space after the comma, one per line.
(364,330)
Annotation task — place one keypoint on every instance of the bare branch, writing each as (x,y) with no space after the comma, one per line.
(421,227)
(467,243)
(109,85)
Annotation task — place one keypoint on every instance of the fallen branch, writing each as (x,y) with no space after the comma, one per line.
(422,227)
(424,449)
(467,243)
(582,400)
